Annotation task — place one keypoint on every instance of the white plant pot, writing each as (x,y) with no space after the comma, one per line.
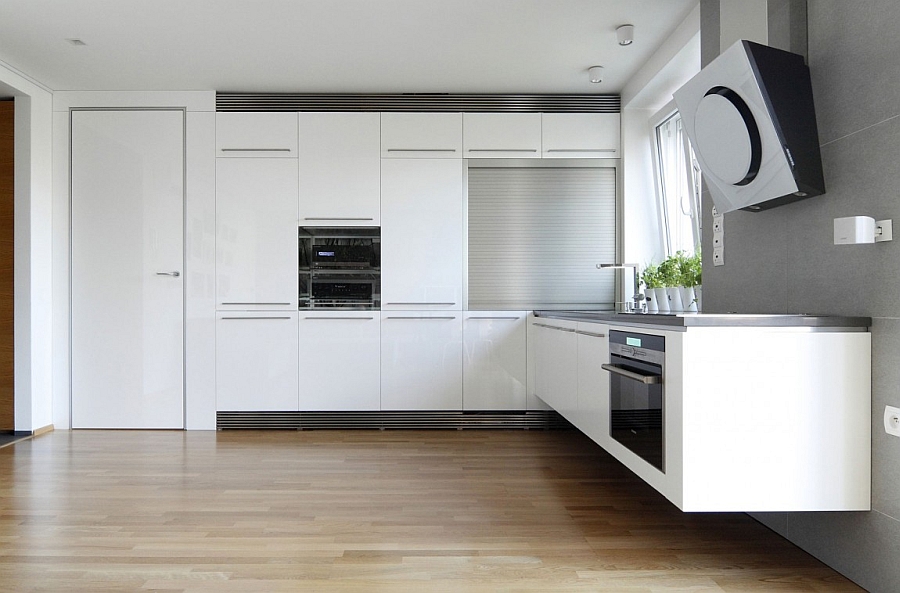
(675,305)
(662,300)
(650,299)
(698,292)
(688,298)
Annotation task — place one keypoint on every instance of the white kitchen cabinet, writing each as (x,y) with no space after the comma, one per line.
(421,360)
(250,134)
(422,234)
(556,364)
(592,417)
(494,360)
(580,135)
(340,361)
(501,135)
(421,135)
(256,361)
(256,234)
(340,169)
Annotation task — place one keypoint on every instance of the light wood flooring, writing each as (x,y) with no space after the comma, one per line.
(392,511)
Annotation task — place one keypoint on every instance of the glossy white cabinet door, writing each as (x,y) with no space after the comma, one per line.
(556,361)
(256,361)
(272,135)
(256,234)
(593,382)
(340,361)
(127,257)
(421,360)
(494,360)
(340,169)
(422,234)
(421,135)
(580,135)
(502,135)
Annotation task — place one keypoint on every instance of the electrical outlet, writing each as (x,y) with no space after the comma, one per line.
(718,240)
(892,420)
(719,256)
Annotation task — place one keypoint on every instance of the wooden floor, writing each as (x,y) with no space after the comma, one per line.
(460,511)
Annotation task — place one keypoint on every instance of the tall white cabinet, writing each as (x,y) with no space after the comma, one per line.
(421,234)
(256,233)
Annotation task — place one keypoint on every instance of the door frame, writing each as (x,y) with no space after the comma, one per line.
(184,172)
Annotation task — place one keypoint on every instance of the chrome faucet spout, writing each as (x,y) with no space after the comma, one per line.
(637,297)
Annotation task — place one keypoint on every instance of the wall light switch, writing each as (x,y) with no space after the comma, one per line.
(884,230)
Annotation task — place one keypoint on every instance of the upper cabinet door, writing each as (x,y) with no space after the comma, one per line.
(580,135)
(256,134)
(340,169)
(422,234)
(256,234)
(501,135)
(421,135)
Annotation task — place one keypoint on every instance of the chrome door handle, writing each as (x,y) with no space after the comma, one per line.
(645,379)
(175,274)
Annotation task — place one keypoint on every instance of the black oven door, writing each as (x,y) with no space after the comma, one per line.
(636,408)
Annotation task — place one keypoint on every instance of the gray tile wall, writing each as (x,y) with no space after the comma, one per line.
(784,260)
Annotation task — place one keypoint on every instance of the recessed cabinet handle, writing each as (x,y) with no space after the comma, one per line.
(421,150)
(496,318)
(445,304)
(645,379)
(341,318)
(255,149)
(592,334)
(562,329)
(501,150)
(245,303)
(336,218)
(581,150)
(244,318)
(175,274)
(416,317)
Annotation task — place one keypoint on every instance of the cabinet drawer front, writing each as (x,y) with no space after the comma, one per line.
(580,135)
(256,135)
(501,135)
(256,361)
(421,135)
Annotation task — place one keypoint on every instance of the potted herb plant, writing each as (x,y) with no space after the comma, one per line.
(653,288)
(690,269)
(670,278)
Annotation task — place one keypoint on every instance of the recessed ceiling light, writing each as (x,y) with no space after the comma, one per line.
(75,41)
(595,74)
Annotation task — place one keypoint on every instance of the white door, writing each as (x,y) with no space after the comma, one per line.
(127,269)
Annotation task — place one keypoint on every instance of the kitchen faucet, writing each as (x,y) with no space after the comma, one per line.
(637,302)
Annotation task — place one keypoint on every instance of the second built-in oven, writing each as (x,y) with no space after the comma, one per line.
(637,394)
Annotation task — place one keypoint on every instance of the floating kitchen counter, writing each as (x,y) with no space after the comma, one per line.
(758,412)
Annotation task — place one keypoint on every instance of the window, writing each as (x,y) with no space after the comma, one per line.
(677,184)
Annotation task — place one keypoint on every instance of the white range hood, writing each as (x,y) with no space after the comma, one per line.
(750,117)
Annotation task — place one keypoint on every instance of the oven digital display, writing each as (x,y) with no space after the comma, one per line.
(325,253)
(636,342)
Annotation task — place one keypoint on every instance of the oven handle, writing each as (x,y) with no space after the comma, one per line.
(645,379)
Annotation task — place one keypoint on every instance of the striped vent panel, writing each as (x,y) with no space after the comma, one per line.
(389,420)
(418,102)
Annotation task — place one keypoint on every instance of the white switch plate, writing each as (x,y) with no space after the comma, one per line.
(892,420)
(886,227)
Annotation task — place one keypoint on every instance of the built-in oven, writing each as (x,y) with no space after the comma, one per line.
(637,394)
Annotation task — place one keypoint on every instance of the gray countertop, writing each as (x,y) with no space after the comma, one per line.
(684,320)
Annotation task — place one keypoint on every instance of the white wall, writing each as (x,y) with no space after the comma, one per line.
(673,64)
(33,238)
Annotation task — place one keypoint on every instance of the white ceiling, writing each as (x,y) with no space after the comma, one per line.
(334,46)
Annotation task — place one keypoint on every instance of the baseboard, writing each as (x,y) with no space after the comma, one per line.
(389,420)
(43,430)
